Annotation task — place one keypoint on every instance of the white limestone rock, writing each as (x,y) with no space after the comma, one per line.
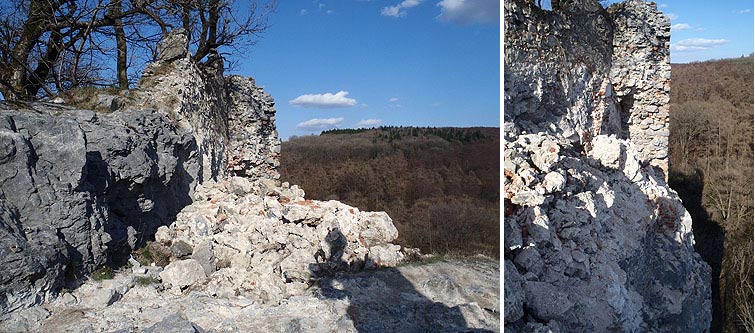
(181,274)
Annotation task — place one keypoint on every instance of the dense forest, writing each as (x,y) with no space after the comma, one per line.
(711,157)
(440,185)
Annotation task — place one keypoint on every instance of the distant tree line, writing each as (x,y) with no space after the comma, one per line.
(391,133)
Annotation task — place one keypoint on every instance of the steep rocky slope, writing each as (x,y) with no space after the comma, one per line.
(594,239)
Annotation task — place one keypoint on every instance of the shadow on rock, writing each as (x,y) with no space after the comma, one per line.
(709,236)
(384,300)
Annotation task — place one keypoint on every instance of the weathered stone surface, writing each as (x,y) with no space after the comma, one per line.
(77,187)
(204,254)
(267,241)
(174,46)
(24,320)
(180,249)
(444,296)
(595,239)
(100,298)
(74,183)
(174,324)
(513,294)
(181,274)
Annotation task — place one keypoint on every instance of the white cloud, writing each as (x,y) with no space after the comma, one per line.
(393,99)
(303,12)
(369,122)
(697,44)
(680,26)
(399,10)
(319,124)
(743,11)
(663,5)
(672,16)
(324,101)
(470,11)
(329,12)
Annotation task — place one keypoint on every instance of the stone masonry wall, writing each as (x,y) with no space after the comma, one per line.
(641,76)
(582,71)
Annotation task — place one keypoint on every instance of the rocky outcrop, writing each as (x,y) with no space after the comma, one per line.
(76,185)
(595,240)
(80,188)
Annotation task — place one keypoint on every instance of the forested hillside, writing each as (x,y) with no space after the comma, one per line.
(440,185)
(711,157)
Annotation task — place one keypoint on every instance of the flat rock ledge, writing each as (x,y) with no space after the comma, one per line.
(452,295)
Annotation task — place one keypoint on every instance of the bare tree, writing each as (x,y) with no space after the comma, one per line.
(49,46)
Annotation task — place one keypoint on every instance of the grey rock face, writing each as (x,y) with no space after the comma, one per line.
(595,239)
(73,184)
(79,188)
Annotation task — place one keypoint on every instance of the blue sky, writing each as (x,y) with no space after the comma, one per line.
(705,30)
(339,63)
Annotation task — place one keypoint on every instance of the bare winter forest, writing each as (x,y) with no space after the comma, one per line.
(440,185)
(711,157)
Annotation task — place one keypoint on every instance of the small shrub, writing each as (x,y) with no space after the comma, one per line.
(146,280)
(103,273)
(153,252)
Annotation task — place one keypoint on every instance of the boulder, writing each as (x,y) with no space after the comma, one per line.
(183,273)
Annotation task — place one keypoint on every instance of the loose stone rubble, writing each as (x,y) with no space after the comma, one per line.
(595,240)
(264,240)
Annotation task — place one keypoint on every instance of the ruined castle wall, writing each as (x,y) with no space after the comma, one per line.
(232,119)
(595,240)
(254,148)
(641,76)
(579,71)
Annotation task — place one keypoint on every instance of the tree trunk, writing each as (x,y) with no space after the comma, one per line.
(120,41)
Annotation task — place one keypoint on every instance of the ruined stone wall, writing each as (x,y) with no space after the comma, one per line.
(594,239)
(232,119)
(582,71)
(254,145)
(641,76)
